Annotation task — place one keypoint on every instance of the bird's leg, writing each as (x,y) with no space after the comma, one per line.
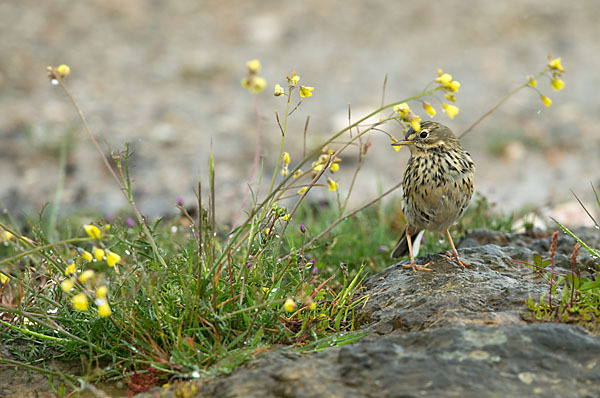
(454,254)
(415,267)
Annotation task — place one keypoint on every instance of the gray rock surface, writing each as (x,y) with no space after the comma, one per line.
(546,360)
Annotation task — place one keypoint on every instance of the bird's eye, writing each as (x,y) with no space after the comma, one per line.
(424,134)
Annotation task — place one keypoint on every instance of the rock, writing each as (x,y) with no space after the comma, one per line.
(539,242)
(491,291)
(546,360)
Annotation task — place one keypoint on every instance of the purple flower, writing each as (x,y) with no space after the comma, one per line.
(315,270)
(129,222)
(302,228)
(383,248)
(179,201)
(248,265)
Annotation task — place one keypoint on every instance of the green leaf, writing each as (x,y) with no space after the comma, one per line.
(337,339)
(589,285)
(593,252)
(537,259)
(546,263)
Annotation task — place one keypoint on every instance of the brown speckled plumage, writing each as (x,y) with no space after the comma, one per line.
(437,184)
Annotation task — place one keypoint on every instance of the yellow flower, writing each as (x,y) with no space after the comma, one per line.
(255,84)
(86,275)
(253,66)
(332,184)
(112,258)
(265,290)
(80,302)
(267,230)
(402,109)
(86,255)
(334,167)
(258,84)
(67,285)
(71,269)
(531,82)
(444,79)
(289,305)
(306,91)
(279,91)
(93,231)
(63,70)
(453,86)
(286,159)
(451,110)
(302,190)
(318,167)
(547,101)
(429,109)
(101,292)
(312,306)
(8,235)
(298,173)
(98,253)
(450,97)
(415,122)
(3,278)
(284,171)
(294,79)
(286,217)
(439,71)
(556,64)
(557,84)
(396,147)
(104,309)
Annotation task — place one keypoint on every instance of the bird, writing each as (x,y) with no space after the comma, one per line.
(437,187)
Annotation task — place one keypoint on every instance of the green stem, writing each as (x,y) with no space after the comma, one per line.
(40,248)
(498,104)
(283,131)
(34,334)
(128,193)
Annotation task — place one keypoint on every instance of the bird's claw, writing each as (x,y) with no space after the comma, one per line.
(416,267)
(454,257)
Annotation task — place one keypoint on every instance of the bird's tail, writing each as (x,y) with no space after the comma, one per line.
(401,248)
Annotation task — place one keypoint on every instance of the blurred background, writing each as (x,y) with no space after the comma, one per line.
(165,77)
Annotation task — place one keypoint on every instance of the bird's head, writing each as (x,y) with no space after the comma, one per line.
(431,135)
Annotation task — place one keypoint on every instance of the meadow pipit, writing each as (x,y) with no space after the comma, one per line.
(437,184)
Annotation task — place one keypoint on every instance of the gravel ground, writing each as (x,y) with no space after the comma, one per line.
(164,76)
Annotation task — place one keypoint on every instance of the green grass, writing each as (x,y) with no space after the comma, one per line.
(167,319)
(571,297)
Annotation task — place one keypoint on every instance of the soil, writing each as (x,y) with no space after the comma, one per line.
(164,76)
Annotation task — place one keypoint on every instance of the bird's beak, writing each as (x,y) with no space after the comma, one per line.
(403,142)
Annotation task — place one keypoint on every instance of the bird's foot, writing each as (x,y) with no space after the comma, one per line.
(454,257)
(416,267)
